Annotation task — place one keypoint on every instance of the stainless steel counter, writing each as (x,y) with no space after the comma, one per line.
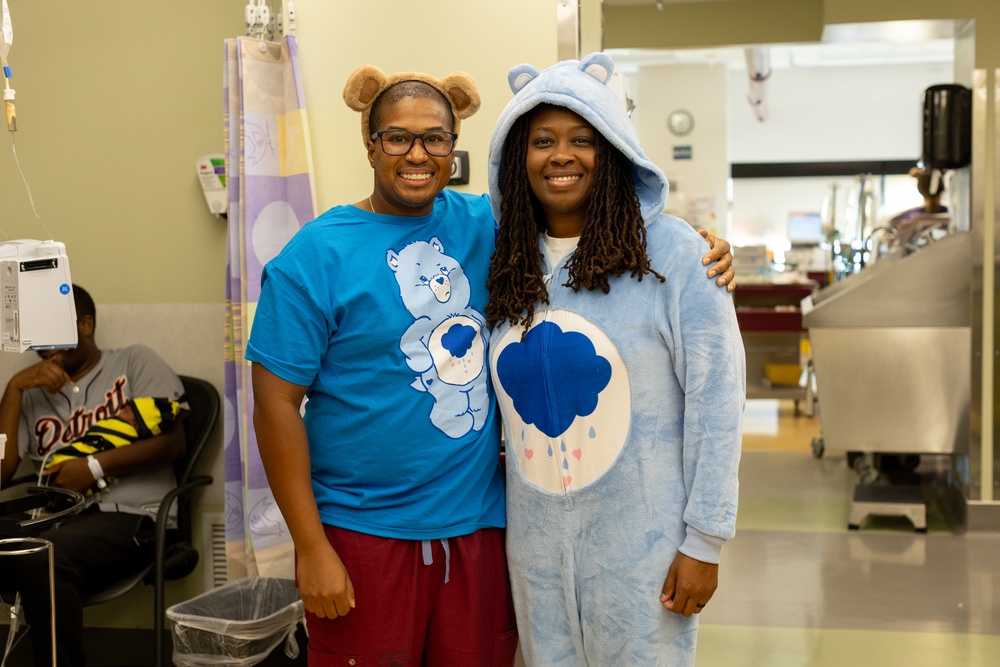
(891,348)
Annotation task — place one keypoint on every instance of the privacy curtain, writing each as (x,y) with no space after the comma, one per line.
(271,195)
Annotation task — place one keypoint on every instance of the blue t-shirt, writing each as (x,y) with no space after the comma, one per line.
(381,318)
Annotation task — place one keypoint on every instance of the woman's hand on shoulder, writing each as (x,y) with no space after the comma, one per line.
(719,260)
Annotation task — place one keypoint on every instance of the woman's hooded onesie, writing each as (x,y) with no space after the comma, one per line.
(622,419)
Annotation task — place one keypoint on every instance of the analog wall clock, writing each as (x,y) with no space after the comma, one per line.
(680,122)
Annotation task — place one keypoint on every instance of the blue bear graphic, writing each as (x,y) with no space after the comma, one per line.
(446,344)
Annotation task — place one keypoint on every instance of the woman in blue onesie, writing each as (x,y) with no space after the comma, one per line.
(620,376)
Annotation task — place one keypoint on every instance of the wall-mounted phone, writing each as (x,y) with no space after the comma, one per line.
(212,175)
(460,169)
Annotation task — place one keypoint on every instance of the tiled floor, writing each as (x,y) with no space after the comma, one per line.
(798,589)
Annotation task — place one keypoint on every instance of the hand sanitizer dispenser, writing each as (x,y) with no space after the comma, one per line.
(212,175)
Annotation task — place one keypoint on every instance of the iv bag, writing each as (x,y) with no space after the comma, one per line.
(7,33)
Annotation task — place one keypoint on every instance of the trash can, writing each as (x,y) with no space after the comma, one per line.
(237,624)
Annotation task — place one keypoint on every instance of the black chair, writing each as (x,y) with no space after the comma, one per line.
(175,556)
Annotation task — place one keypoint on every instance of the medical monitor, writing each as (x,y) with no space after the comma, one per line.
(805,229)
(37,310)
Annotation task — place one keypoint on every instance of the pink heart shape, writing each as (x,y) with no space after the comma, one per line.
(528,453)
(577,453)
(567,479)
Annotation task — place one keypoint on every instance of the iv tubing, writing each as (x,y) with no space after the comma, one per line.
(31,199)
(8,97)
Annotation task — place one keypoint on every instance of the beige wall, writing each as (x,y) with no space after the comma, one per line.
(115,101)
(698,184)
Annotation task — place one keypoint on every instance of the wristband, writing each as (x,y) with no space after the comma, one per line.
(97,471)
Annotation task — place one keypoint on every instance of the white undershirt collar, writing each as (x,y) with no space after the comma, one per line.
(556,250)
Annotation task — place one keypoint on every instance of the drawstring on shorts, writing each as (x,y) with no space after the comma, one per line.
(425,546)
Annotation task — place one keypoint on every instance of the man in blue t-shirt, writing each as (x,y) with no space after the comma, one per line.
(391,483)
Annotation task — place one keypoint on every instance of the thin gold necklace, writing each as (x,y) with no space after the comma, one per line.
(370,204)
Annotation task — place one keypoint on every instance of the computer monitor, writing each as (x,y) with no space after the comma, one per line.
(805,229)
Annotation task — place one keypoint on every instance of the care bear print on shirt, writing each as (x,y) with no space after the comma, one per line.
(446,344)
(566,398)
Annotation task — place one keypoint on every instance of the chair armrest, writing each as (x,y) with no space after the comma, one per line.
(180,490)
(163,514)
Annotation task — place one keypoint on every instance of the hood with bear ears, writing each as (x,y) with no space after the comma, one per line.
(582,87)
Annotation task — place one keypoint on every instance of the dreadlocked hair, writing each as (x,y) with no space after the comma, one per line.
(515,282)
(612,241)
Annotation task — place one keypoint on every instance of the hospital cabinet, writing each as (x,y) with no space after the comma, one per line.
(770,321)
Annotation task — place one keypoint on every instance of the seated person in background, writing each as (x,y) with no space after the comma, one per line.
(913,223)
(50,405)
(930,185)
(141,418)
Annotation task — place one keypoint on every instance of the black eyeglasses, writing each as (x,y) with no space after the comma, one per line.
(438,143)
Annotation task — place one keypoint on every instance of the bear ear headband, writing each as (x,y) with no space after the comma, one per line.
(598,65)
(367,82)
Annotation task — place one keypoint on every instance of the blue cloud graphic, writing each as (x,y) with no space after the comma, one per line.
(458,339)
(553,377)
